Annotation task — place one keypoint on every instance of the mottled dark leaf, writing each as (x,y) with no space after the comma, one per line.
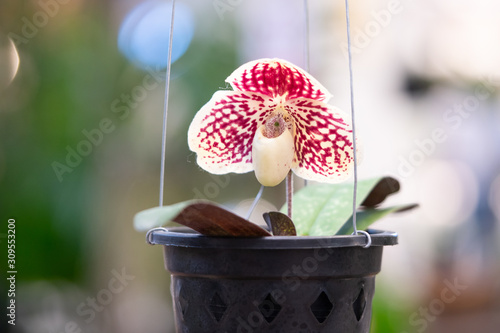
(280,224)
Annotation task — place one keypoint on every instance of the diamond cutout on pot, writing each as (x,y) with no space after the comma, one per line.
(359,304)
(183,303)
(217,307)
(322,307)
(269,308)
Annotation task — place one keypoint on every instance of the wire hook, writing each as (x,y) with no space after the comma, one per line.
(368,237)
(149,240)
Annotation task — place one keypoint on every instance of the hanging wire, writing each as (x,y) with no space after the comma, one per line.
(306,35)
(165,112)
(351,85)
(306,44)
(255,202)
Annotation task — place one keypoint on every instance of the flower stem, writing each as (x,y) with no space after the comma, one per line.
(289,193)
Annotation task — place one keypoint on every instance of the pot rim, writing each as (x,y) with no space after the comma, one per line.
(186,237)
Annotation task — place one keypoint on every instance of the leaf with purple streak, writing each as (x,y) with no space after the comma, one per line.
(203,216)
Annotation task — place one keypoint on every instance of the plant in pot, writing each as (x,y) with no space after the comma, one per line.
(306,270)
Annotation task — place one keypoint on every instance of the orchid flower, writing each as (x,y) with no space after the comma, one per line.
(275,120)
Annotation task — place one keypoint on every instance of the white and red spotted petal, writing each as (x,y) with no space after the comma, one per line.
(222,131)
(323,141)
(276,77)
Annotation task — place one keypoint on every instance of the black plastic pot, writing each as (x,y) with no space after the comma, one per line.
(272,284)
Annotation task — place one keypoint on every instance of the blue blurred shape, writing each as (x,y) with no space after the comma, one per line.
(144,33)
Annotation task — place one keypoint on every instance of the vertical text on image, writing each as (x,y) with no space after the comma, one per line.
(11,271)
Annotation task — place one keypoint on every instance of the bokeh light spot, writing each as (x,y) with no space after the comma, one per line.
(494,197)
(449,192)
(9,62)
(144,33)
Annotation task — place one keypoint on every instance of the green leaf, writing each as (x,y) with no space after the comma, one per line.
(159,216)
(365,218)
(322,209)
(203,216)
(280,224)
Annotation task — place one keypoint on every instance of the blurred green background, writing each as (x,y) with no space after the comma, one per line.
(81,103)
